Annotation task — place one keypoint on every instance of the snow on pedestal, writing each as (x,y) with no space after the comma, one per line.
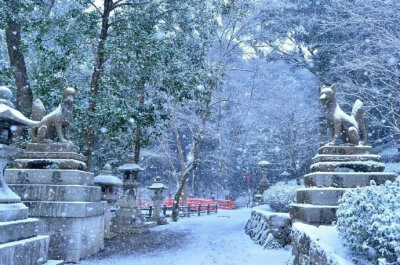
(335,169)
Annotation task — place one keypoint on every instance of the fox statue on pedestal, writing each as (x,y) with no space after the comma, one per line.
(56,124)
(350,128)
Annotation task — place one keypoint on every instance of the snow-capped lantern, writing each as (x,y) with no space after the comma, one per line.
(110,184)
(263,185)
(158,188)
(128,218)
(285,176)
(130,174)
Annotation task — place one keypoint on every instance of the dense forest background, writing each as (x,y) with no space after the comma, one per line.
(201,91)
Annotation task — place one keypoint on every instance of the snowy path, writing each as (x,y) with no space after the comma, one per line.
(214,239)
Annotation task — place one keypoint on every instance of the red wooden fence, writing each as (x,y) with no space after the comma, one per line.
(222,204)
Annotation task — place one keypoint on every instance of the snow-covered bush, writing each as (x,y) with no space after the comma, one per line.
(280,196)
(369,221)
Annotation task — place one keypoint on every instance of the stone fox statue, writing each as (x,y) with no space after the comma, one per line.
(351,129)
(56,124)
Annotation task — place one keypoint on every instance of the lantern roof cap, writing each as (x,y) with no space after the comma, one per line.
(157,185)
(130,167)
(285,173)
(263,163)
(107,178)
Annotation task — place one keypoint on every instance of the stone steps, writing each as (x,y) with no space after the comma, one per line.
(313,214)
(346,179)
(319,196)
(17,230)
(13,211)
(48,176)
(30,251)
(43,192)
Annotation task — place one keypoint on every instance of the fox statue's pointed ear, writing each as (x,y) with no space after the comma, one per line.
(333,87)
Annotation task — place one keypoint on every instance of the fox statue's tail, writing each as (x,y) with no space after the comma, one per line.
(38,113)
(38,110)
(358,114)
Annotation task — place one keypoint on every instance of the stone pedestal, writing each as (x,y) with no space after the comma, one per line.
(128,218)
(335,169)
(158,216)
(50,179)
(20,243)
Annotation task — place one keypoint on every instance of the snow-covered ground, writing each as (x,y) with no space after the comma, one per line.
(214,239)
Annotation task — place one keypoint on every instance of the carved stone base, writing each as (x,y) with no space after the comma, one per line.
(346,179)
(68,207)
(129,220)
(51,156)
(336,169)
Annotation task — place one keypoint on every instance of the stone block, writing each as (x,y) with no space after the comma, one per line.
(13,211)
(41,192)
(30,251)
(319,196)
(345,150)
(358,166)
(52,155)
(345,158)
(54,262)
(52,147)
(17,230)
(313,214)
(73,239)
(48,176)
(47,163)
(42,209)
(346,179)
(269,229)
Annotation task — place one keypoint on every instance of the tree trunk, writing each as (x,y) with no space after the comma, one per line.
(192,166)
(95,80)
(138,132)
(17,60)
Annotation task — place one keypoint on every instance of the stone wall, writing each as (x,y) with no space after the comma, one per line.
(269,229)
(312,245)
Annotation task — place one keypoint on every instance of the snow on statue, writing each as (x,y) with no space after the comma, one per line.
(350,128)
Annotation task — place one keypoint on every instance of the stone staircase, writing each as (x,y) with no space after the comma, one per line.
(334,170)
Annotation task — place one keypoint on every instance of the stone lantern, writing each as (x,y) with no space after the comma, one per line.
(128,218)
(19,240)
(263,185)
(110,186)
(158,197)
(285,176)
